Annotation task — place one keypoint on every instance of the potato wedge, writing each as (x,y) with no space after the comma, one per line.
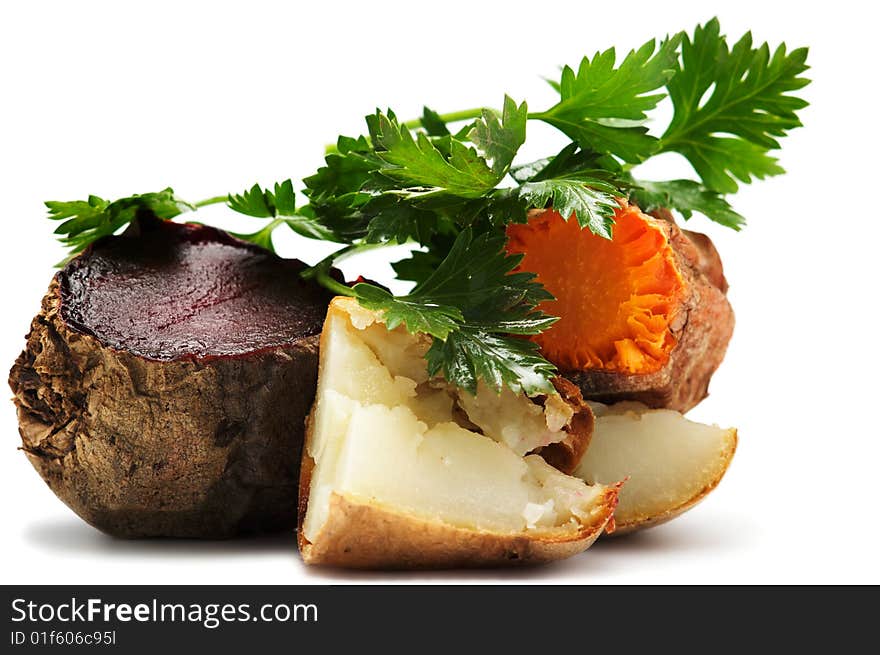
(670,463)
(395,474)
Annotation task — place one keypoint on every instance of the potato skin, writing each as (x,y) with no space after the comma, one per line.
(703,330)
(362,535)
(365,536)
(141,448)
(566,454)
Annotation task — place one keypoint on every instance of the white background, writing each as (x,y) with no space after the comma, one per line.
(112,99)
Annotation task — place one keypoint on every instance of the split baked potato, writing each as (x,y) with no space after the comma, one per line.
(403,471)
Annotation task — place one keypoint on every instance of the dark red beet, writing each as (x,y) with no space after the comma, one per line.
(183,290)
(165,383)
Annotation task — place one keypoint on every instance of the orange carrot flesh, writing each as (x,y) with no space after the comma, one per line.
(616,299)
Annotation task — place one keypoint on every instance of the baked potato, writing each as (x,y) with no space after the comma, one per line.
(669,462)
(397,471)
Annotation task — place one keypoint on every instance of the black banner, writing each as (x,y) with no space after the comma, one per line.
(412,619)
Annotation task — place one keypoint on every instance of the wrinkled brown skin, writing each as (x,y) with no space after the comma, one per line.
(358,535)
(566,454)
(185,448)
(703,329)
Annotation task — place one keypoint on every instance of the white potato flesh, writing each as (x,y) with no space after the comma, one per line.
(511,419)
(670,461)
(383,435)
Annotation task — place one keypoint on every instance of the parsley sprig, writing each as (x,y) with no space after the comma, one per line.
(471,303)
(727,136)
(602,106)
(85,221)
(451,183)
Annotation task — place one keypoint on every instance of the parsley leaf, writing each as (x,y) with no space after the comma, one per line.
(432,122)
(418,266)
(687,197)
(477,277)
(592,201)
(262,237)
(500,139)
(749,101)
(399,185)
(279,204)
(418,314)
(88,220)
(468,304)
(428,165)
(571,159)
(263,203)
(575,182)
(602,104)
(469,354)
(399,221)
(416,162)
(346,170)
(421,264)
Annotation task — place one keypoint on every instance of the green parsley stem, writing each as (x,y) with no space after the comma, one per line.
(341,255)
(463,115)
(320,271)
(216,200)
(272,225)
(323,278)
(452,117)
(355,249)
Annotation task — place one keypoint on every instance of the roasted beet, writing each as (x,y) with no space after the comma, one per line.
(164,384)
